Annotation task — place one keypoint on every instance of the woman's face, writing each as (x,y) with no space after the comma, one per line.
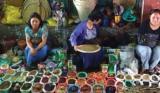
(90,24)
(155,19)
(35,22)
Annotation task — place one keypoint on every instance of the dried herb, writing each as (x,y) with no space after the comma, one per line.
(47,73)
(49,87)
(137,83)
(137,76)
(40,74)
(128,77)
(120,76)
(15,67)
(146,77)
(33,72)
(29,78)
(98,89)
(5,85)
(82,74)
(110,82)
(37,87)
(81,82)
(128,84)
(56,72)
(1,74)
(73,89)
(6,77)
(62,80)
(72,74)
(119,84)
(26,86)
(91,81)
(154,85)
(24,73)
(37,79)
(71,81)
(85,88)
(10,71)
(18,74)
(54,79)
(45,79)
(110,89)
(155,78)
(146,84)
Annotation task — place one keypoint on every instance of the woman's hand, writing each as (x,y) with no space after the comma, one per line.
(33,52)
(75,48)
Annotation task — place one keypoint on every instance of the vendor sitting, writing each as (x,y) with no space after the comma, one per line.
(86,33)
(36,36)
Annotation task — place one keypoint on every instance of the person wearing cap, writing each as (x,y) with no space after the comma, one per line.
(148,48)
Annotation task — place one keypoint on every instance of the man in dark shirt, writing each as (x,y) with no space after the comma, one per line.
(148,37)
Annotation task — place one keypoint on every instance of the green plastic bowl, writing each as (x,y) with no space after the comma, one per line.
(82,75)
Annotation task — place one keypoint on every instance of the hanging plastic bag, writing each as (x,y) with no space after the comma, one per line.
(12,15)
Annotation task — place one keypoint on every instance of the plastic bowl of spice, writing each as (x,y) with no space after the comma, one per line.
(10,71)
(33,72)
(154,78)
(26,88)
(146,84)
(81,81)
(29,79)
(73,89)
(54,79)
(128,77)
(44,80)
(25,73)
(128,83)
(72,74)
(146,77)
(37,88)
(7,77)
(49,88)
(5,86)
(37,79)
(91,81)
(82,75)
(4,66)
(2,75)
(47,73)
(71,81)
(98,88)
(61,88)
(120,77)
(119,84)
(111,82)
(137,83)
(57,72)
(137,77)
(86,88)
(62,80)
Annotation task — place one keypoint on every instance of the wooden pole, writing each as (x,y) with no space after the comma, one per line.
(142,11)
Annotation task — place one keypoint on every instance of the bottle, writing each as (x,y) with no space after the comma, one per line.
(70,65)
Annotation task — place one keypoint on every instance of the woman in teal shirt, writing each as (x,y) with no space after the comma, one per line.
(36,36)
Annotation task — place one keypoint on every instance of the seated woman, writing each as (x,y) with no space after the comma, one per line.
(86,33)
(148,48)
(36,36)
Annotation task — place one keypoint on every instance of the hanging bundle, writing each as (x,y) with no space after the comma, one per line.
(129,16)
(40,6)
(17,3)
